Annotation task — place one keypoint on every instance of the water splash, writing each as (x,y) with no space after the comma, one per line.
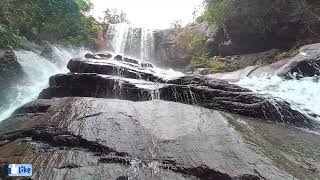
(37,70)
(302,94)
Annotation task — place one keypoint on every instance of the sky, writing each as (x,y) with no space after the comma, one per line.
(153,14)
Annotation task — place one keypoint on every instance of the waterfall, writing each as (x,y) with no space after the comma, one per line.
(131,41)
(37,71)
(302,94)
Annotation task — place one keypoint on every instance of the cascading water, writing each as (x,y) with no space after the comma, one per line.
(37,70)
(136,43)
(131,41)
(302,94)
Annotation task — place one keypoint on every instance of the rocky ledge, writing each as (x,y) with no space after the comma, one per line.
(118,120)
(122,81)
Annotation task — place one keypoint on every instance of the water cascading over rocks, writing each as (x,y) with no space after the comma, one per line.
(116,117)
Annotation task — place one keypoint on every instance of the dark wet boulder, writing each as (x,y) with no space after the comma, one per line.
(305,64)
(111,68)
(89,138)
(95,85)
(104,55)
(89,55)
(209,93)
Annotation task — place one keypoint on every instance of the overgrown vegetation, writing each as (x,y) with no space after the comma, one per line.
(261,14)
(114,16)
(215,64)
(63,21)
(285,55)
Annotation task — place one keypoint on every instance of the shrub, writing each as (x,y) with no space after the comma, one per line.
(9,38)
(285,55)
(218,64)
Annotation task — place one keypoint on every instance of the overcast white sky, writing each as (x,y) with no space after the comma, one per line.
(155,14)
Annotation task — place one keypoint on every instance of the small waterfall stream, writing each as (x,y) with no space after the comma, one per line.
(37,70)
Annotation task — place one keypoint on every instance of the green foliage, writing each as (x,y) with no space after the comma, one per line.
(217,64)
(216,11)
(113,16)
(259,62)
(191,42)
(261,15)
(285,55)
(8,38)
(176,26)
(199,61)
(60,21)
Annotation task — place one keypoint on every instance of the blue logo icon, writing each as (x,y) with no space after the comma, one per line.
(20,170)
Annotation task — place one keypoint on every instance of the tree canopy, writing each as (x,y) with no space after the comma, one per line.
(62,21)
(113,16)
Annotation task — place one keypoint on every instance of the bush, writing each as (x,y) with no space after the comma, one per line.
(215,64)
(9,38)
(218,64)
(285,55)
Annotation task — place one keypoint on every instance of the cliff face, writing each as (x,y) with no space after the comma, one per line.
(167,51)
(248,27)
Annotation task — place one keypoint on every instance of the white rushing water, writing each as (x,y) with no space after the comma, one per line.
(136,43)
(302,94)
(37,71)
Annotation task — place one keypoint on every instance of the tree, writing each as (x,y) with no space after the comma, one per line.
(63,21)
(113,16)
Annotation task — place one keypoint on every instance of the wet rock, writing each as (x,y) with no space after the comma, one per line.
(126,141)
(305,64)
(213,94)
(105,55)
(111,68)
(201,71)
(89,55)
(10,72)
(261,58)
(95,85)
(168,54)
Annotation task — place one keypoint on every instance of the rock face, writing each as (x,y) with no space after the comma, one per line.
(115,120)
(249,23)
(91,138)
(305,64)
(10,72)
(168,54)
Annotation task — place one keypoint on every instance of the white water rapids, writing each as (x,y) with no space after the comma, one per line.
(302,94)
(37,71)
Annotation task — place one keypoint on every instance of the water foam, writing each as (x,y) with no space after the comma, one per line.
(37,70)
(302,94)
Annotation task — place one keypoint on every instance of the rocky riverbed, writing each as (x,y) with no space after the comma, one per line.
(109,119)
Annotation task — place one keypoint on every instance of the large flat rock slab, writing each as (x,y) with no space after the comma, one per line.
(89,138)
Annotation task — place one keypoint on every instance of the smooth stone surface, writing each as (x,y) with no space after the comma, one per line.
(89,138)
